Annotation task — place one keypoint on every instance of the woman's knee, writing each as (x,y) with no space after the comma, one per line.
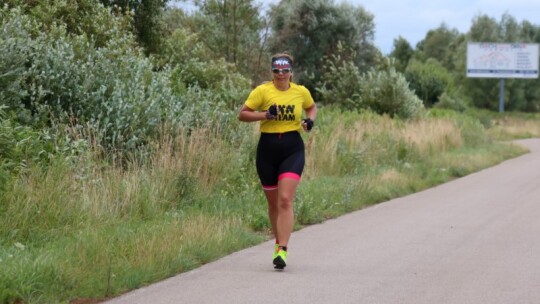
(285,201)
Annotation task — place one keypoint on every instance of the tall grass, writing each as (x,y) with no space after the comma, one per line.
(350,142)
(514,127)
(508,125)
(94,229)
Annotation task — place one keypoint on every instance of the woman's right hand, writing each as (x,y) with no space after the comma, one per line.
(272,112)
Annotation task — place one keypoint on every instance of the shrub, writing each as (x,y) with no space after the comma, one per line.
(23,149)
(381,90)
(16,47)
(387,92)
(428,80)
(112,90)
(192,66)
(19,145)
(340,83)
(80,17)
(448,102)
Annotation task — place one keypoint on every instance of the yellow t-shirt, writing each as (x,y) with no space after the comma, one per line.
(290,104)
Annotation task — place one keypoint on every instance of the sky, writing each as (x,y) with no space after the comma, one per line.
(412,19)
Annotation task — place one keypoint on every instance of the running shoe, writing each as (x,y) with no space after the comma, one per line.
(280,261)
(276,249)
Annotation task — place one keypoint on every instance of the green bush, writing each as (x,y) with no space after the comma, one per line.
(22,147)
(112,90)
(80,17)
(16,47)
(340,83)
(448,102)
(387,92)
(192,67)
(428,80)
(381,90)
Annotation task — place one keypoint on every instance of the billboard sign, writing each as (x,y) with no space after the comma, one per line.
(502,60)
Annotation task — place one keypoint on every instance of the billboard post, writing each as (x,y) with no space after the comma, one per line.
(502,60)
(501,95)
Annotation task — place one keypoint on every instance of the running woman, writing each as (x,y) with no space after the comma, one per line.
(279,105)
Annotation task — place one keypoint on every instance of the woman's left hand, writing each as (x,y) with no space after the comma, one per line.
(307,124)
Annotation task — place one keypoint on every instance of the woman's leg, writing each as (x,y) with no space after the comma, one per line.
(272,199)
(285,211)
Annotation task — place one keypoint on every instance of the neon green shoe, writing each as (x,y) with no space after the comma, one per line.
(280,261)
(276,249)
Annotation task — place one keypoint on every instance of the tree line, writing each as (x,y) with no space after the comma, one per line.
(323,31)
(125,71)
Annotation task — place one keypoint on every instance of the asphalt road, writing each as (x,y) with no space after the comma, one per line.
(473,240)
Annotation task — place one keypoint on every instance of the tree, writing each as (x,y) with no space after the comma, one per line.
(147,20)
(230,29)
(402,52)
(340,81)
(509,29)
(440,44)
(530,31)
(311,30)
(484,29)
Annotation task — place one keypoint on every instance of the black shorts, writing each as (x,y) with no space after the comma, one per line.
(279,155)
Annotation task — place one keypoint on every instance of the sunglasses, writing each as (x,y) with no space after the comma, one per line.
(284,71)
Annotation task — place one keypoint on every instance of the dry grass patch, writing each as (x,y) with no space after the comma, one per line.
(427,136)
(390,176)
(513,127)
